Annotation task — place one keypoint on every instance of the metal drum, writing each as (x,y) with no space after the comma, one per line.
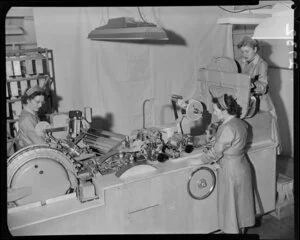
(201,183)
(47,171)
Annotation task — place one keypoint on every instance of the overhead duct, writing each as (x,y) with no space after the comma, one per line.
(126,28)
(242,19)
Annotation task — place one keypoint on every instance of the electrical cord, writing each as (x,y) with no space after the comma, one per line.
(155,17)
(102,20)
(141,15)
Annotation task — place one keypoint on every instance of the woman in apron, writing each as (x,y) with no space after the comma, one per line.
(32,101)
(257,68)
(235,193)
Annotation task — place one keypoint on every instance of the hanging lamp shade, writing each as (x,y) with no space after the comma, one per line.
(125,28)
(279,26)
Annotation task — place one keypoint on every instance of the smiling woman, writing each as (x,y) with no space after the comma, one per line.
(32,101)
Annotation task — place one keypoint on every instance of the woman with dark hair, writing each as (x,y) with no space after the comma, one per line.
(235,193)
(32,101)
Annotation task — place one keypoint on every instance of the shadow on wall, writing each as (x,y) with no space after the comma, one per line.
(55,100)
(275,82)
(105,123)
(164,108)
(174,39)
(46,108)
(202,124)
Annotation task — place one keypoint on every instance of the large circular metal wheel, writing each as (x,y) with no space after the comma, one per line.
(194,110)
(47,171)
(201,183)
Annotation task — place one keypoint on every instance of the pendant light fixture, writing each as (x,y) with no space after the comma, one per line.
(126,28)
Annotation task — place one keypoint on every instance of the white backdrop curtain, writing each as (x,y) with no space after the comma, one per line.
(115,78)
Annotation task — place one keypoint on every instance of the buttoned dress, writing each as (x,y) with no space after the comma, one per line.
(27,133)
(235,191)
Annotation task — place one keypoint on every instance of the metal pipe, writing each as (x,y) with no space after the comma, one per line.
(144,104)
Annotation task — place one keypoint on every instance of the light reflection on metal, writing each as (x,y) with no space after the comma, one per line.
(201,183)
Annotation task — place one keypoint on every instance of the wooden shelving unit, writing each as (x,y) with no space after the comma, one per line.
(27,68)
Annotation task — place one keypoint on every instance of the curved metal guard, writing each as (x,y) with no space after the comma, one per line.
(201,183)
(46,170)
(194,110)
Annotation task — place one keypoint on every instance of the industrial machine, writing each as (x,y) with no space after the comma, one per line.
(92,181)
(70,164)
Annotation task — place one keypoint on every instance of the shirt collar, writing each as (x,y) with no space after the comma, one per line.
(255,60)
(30,111)
(229,118)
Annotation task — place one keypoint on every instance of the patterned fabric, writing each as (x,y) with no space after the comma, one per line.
(235,191)
(28,136)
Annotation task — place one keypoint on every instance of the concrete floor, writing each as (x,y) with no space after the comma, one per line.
(269,227)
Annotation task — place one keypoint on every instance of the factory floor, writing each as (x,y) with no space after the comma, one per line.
(269,227)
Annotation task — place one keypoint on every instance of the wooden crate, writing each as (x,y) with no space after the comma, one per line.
(285,197)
